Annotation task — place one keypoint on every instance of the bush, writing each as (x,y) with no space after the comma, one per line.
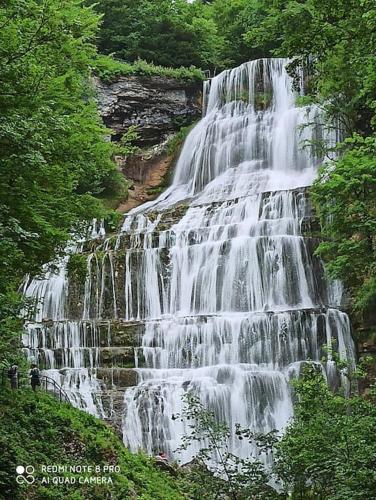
(109,69)
(344,196)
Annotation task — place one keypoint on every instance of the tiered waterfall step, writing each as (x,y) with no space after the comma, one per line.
(126,345)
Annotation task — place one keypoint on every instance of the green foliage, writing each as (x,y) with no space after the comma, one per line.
(38,430)
(77,267)
(229,476)
(109,69)
(53,154)
(234,18)
(176,142)
(304,100)
(209,35)
(344,195)
(125,145)
(167,33)
(116,189)
(11,306)
(328,450)
(335,42)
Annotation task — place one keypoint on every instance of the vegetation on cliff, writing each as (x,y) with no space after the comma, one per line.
(109,69)
(345,199)
(38,430)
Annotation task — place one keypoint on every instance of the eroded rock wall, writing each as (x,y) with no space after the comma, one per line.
(157,105)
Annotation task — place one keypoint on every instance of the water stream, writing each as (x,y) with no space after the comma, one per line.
(230,296)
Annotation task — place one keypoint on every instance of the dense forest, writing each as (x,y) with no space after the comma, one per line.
(57,168)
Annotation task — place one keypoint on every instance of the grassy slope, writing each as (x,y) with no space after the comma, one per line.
(36,429)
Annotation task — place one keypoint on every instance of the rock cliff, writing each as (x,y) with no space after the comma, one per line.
(157,105)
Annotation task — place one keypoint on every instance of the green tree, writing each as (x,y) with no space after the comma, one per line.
(168,33)
(234,18)
(344,195)
(329,449)
(53,154)
(335,41)
(215,471)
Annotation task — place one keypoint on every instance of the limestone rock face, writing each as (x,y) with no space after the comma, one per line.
(157,105)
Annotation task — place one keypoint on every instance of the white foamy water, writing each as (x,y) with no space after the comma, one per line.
(231,297)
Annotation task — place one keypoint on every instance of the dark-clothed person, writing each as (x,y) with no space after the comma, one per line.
(13,376)
(34,377)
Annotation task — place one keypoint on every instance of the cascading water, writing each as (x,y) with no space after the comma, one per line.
(230,296)
(68,349)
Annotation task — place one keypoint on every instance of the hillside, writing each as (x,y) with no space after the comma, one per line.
(38,430)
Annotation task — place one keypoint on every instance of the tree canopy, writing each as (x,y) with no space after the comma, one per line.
(167,33)
(327,451)
(53,155)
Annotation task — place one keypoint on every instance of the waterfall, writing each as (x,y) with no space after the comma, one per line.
(214,287)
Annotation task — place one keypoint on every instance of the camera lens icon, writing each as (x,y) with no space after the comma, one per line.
(25,474)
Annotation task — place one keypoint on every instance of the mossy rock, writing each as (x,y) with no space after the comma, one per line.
(117,357)
(120,334)
(121,378)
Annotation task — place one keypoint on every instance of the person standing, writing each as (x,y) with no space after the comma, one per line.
(34,377)
(13,376)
